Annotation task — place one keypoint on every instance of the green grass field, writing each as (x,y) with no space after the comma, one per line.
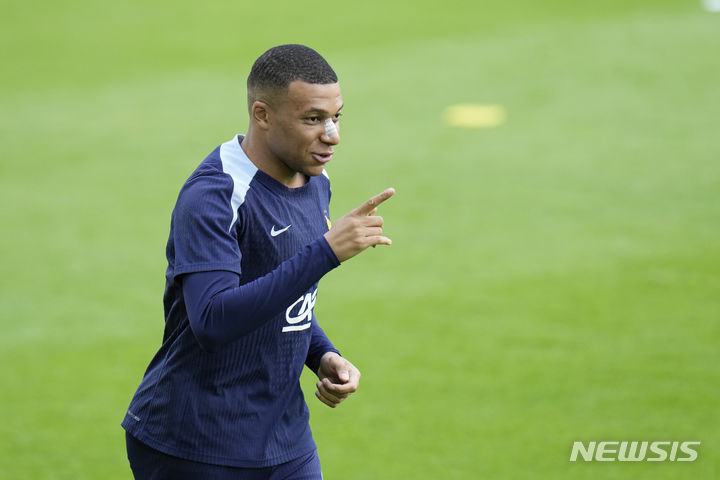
(553,279)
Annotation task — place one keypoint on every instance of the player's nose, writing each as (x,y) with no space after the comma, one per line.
(331,132)
(334,140)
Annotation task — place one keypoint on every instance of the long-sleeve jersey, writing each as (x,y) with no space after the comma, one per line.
(245,254)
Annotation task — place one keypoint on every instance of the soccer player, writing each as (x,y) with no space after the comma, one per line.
(250,238)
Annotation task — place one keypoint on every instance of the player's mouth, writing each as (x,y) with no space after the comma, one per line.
(323,157)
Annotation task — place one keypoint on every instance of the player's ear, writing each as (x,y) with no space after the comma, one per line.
(259,111)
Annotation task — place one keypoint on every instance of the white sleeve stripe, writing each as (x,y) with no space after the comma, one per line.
(236,164)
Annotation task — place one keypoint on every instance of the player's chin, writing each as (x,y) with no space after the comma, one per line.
(314,170)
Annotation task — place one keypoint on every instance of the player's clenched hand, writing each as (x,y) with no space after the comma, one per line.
(338,378)
(359,229)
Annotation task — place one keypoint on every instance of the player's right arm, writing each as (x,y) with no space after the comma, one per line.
(215,301)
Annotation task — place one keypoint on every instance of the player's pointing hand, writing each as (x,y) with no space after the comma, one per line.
(359,229)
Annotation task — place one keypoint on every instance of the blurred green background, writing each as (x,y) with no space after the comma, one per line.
(553,279)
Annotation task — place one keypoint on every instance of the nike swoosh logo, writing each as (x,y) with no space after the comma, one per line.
(275,233)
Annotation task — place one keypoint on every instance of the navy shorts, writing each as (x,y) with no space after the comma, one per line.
(150,464)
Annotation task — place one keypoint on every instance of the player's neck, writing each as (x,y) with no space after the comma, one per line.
(261,156)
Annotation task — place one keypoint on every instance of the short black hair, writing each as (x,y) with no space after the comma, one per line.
(275,69)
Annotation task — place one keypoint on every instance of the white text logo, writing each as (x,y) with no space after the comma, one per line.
(635,451)
(300,311)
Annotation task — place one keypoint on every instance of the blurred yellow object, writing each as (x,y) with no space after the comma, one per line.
(474,115)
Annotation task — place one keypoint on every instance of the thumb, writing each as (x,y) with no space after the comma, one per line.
(344,376)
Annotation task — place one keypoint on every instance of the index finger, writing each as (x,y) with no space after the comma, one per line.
(367,207)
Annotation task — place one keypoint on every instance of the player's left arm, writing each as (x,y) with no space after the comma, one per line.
(337,378)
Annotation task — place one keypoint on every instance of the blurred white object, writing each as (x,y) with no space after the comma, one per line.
(712,5)
(330,129)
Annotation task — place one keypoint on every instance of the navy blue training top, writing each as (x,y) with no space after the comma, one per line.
(245,254)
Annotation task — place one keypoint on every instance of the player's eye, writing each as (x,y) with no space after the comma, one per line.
(337,116)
